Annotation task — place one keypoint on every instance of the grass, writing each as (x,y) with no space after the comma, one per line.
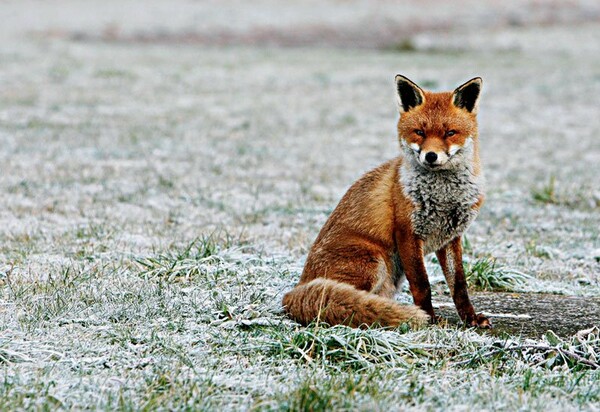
(199,326)
(539,251)
(121,160)
(181,264)
(410,376)
(547,193)
(583,197)
(487,274)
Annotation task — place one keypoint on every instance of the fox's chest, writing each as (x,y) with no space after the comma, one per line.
(443,205)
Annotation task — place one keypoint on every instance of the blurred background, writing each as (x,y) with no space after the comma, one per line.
(379,24)
(128,125)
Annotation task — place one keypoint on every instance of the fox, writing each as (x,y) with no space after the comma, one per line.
(418,203)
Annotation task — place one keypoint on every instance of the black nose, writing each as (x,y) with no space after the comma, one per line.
(430,157)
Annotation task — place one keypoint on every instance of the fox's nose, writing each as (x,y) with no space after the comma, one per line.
(431,157)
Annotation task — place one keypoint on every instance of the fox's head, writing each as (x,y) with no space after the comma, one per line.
(438,131)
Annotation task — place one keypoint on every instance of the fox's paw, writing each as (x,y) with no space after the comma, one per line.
(480,321)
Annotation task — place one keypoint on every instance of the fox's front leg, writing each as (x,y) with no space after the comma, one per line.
(410,250)
(450,258)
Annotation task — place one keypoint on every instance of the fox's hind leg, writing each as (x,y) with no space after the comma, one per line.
(450,258)
(363,266)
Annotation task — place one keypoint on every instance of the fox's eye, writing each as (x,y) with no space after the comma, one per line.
(420,132)
(450,133)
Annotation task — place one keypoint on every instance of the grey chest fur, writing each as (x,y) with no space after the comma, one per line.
(443,202)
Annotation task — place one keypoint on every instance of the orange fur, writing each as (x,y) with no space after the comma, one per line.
(357,261)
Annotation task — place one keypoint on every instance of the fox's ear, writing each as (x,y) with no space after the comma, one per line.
(408,94)
(466,95)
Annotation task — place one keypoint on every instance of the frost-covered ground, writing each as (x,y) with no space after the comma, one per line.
(159,195)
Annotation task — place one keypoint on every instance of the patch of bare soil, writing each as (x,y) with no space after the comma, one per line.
(531,314)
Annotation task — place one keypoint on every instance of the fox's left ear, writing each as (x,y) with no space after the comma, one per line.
(466,95)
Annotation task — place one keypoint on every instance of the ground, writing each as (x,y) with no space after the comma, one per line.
(163,178)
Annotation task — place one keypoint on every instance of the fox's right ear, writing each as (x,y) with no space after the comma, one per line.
(408,94)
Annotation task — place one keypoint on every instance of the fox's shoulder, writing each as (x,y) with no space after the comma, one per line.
(370,200)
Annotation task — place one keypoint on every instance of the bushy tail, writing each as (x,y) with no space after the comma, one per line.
(338,303)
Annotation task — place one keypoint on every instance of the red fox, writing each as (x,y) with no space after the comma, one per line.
(420,202)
